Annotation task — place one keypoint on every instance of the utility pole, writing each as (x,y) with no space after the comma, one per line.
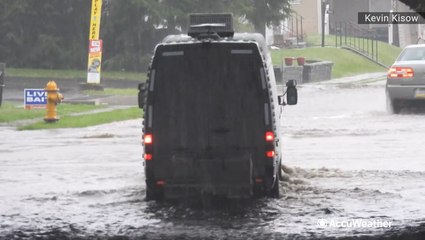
(324,2)
(391,25)
(391,30)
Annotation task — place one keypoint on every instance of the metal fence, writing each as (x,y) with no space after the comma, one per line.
(363,41)
(292,32)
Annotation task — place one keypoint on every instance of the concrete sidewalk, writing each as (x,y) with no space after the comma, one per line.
(377,78)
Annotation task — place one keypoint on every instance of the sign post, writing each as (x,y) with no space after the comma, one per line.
(95,48)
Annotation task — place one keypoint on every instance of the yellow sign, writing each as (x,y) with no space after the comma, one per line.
(95,45)
(96,13)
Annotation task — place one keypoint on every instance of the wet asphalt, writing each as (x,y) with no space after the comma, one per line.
(346,159)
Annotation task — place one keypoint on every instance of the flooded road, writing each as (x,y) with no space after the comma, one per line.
(346,161)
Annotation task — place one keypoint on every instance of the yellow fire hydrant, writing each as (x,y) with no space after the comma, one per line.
(53,99)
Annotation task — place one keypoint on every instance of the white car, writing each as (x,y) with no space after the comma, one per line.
(406,78)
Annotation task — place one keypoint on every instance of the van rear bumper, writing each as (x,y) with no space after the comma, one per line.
(231,177)
(178,191)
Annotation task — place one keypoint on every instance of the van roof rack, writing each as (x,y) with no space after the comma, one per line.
(215,25)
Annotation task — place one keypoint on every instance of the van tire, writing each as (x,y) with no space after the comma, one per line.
(259,191)
(274,192)
(280,170)
(153,194)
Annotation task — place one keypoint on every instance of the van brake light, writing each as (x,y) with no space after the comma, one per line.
(148,156)
(160,182)
(270,154)
(148,139)
(400,72)
(269,136)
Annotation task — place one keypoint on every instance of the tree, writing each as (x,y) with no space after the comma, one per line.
(258,12)
(54,33)
(265,12)
(417,5)
(130,32)
(48,34)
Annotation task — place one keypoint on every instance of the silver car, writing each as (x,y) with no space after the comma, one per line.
(406,78)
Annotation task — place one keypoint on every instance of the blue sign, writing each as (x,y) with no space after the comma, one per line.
(35,98)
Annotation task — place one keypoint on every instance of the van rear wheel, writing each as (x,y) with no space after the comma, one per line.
(153,193)
(274,192)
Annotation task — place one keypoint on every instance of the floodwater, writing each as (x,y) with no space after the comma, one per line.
(346,161)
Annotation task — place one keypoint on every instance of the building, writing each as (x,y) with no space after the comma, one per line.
(345,12)
(309,10)
(408,33)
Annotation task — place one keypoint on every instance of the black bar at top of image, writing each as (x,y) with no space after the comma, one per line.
(390,17)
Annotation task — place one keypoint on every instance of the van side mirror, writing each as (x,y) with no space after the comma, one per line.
(291,92)
(141,95)
(291,83)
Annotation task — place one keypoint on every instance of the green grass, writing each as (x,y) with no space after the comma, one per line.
(386,53)
(315,40)
(10,112)
(346,63)
(113,91)
(61,74)
(88,119)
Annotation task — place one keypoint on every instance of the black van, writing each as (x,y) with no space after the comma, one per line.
(211,114)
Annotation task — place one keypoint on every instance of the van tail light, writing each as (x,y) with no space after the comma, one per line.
(259,180)
(270,154)
(148,139)
(160,182)
(269,136)
(148,143)
(401,72)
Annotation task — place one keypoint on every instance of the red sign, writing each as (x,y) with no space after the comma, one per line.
(95,46)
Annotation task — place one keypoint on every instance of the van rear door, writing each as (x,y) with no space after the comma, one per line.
(208,110)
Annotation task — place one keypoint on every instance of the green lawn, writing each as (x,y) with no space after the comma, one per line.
(346,63)
(88,119)
(60,74)
(10,112)
(386,53)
